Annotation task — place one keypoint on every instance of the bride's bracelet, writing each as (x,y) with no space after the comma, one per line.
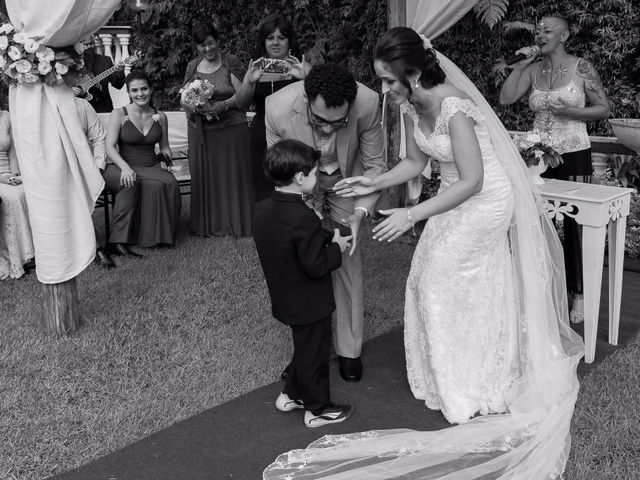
(410,218)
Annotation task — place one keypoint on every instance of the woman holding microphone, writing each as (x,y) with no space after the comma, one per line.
(564,92)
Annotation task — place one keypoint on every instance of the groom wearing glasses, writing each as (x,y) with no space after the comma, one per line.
(339,117)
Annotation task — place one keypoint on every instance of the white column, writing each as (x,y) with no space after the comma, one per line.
(123,39)
(107,41)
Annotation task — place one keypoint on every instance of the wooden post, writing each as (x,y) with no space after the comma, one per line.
(396,17)
(60,313)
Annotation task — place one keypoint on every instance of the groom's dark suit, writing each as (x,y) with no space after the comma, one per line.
(297,265)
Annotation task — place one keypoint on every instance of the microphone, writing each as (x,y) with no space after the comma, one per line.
(533,51)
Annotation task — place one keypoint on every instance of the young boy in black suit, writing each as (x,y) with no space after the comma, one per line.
(297,264)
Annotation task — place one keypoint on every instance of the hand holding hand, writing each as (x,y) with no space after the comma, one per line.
(343,242)
(127,177)
(396,223)
(354,223)
(354,186)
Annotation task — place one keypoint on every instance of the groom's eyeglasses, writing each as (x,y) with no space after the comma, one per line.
(319,122)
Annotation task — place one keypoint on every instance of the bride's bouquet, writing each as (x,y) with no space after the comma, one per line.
(533,149)
(197,94)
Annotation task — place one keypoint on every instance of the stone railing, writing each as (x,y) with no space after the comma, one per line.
(114,42)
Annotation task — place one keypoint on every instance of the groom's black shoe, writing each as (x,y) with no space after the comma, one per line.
(350,369)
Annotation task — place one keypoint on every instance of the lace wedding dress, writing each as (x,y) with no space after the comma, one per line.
(507,347)
(461,341)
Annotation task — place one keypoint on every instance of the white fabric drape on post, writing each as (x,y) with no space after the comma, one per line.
(431,18)
(60,178)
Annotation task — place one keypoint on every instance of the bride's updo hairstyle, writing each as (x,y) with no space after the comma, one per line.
(402,49)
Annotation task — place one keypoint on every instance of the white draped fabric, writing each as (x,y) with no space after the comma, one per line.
(60,178)
(430,18)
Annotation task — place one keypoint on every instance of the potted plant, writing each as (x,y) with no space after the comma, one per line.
(537,155)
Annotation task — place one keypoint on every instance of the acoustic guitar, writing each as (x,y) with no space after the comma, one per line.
(91,81)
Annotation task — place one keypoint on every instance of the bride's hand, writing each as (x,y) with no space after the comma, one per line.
(396,223)
(354,187)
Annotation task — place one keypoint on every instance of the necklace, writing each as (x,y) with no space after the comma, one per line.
(552,74)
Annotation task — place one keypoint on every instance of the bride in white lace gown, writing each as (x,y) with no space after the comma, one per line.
(461,338)
(486,317)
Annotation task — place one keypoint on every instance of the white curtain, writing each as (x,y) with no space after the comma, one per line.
(431,18)
(60,178)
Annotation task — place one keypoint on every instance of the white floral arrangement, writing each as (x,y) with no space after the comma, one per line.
(24,59)
(197,94)
(533,149)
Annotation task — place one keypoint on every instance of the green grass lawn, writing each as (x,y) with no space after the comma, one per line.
(187,328)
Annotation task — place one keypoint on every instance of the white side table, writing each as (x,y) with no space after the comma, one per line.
(595,207)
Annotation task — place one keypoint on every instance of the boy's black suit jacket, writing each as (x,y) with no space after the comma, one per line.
(296,261)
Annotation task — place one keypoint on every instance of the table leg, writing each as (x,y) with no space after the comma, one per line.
(617,230)
(592,257)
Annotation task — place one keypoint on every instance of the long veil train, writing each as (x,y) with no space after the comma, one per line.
(532,440)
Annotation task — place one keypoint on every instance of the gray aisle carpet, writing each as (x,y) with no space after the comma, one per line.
(238,439)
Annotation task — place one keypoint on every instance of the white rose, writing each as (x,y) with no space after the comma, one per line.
(22,66)
(61,68)
(6,28)
(20,37)
(14,53)
(30,78)
(31,45)
(46,55)
(44,68)
(3,62)
(4,42)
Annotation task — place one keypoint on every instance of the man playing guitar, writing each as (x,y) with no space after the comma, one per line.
(94,64)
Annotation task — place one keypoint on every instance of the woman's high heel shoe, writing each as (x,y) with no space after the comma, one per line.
(576,315)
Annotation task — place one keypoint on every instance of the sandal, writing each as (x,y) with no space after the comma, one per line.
(576,315)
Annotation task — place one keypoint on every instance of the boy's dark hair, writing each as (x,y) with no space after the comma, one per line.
(288,157)
(333,82)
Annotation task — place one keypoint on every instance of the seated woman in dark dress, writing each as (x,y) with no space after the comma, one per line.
(147,208)
(276,39)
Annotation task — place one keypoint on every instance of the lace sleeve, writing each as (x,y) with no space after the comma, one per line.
(408,109)
(452,105)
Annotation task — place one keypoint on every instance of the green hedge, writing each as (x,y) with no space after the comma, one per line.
(605,32)
(328,30)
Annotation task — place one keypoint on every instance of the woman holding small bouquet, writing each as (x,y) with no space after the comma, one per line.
(221,192)
(559,86)
(276,46)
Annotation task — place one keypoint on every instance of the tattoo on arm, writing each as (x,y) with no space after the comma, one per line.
(591,78)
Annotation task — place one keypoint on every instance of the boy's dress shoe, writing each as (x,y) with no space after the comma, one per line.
(285,404)
(122,249)
(103,259)
(350,369)
(332,414)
